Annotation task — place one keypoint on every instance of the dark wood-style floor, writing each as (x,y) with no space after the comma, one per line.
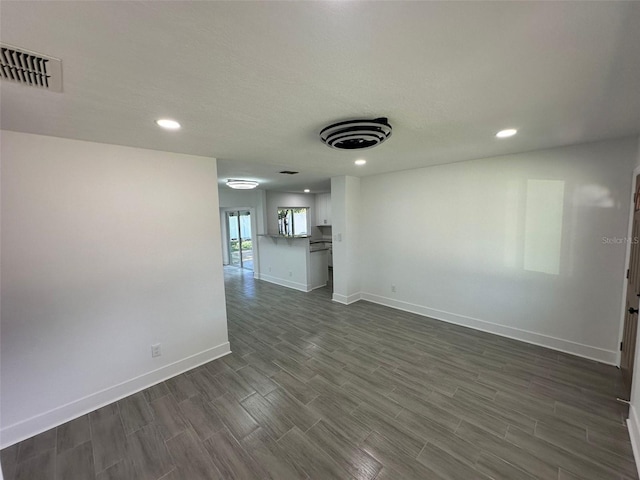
(319,390)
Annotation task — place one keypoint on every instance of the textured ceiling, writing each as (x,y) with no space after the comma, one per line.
(253,82)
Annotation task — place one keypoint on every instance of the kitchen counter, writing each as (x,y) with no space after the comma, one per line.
(298,262)
(273,235)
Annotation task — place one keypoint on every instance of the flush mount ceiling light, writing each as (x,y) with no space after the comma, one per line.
(509,132)
(242,184)
(360,161)
(168,124)
(356,134)
(306,190)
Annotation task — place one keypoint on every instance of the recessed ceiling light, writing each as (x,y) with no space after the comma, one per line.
(168,124)
(509,132)
(360,161)
(242,184)
(306,190)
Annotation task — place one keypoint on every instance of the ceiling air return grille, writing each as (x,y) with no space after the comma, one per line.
(356,134)
(30,68)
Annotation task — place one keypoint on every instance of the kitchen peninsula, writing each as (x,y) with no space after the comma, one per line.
(293,261)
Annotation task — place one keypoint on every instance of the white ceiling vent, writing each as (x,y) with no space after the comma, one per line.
(30,68)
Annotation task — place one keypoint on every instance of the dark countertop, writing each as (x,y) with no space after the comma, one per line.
(282,236)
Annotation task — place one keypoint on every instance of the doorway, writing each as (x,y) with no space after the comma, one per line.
(632,300)
(239,240)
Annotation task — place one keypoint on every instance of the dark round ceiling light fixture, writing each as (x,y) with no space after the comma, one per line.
(356,134)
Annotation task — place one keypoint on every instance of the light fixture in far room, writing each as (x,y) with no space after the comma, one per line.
(168,124)
(360,162)
(242,184)
(509,132)
(306,190)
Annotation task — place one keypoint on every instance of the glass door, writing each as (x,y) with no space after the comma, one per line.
(240,242)
(246,244)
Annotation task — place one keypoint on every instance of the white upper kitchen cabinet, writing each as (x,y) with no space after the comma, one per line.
(323,209)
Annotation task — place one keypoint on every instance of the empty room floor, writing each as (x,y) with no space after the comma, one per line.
(318,390)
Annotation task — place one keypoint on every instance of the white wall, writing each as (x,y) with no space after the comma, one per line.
(281,199)
(512,245)
(106,250)
(347,244)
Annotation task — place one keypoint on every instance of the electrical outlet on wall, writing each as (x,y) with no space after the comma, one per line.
(155,350)
(291,274)
(393,289)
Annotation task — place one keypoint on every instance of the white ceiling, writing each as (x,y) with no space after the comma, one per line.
(254,82)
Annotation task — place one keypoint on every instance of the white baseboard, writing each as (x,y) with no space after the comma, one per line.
(346,300)
(593,353)
(284,283)
(42,422)
(634,434)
